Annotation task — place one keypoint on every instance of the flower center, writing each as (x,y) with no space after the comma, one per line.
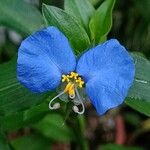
(73,82)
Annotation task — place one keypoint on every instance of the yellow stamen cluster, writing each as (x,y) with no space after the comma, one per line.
(73,77)
(72,80)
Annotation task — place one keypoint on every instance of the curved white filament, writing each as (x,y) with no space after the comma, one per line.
(75,108)
(56,105)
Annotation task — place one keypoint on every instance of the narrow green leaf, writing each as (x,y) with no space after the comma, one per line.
(101,22)
(68,25)
(82,10)
(20,16)
(13,96)
(138,96)
(52,126)
(31,142)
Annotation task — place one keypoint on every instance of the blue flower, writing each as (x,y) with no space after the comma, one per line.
(46,61)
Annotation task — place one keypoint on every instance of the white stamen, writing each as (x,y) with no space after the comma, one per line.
(56,105)
(76,110)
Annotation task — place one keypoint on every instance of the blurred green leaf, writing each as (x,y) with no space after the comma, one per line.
(101,22)
(20,119)
(82,10)
(139,105)
(20,16)
(3,142)
(13,96)
(138,96)
(118,147)
(52,126)
(68,25)
(31,142)
(37,112)
(12,122)
(95,2)
(141,86)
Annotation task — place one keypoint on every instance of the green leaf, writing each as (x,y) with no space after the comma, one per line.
(20,119)
(138,96)
(82,10)
(12,122)
(139,105)
(141,86)
(13,96)
(68,25)
(16,121)
(3,142)
(20,16)
(101,22)
(95,2)
(52,126)
(37,112)
(31,142)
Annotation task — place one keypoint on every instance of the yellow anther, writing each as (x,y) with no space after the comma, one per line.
(67,87)
(65,78)
(81,84)
(73,75)
(72,78)
(78,80)
(70,89)
(68,76)
(72,92)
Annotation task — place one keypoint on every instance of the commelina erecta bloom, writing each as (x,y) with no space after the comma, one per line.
(104,73)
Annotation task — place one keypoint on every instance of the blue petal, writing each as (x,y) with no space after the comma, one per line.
(108,71)
(42,58)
